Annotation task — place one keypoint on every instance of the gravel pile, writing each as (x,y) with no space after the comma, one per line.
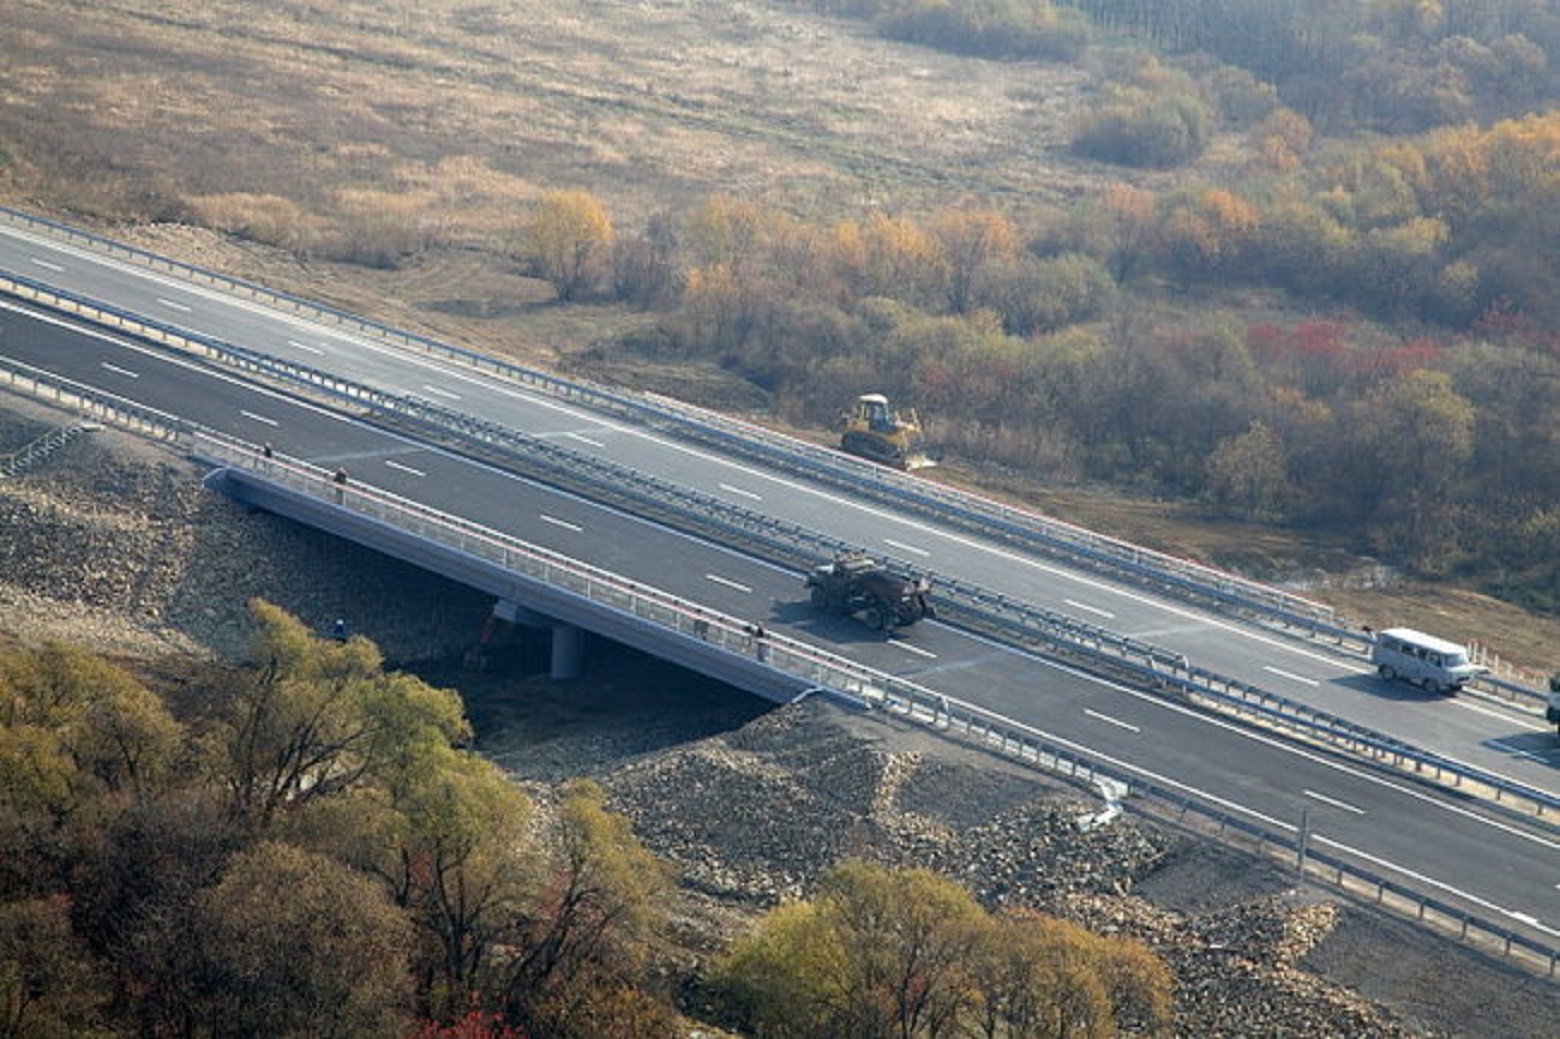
(815,782)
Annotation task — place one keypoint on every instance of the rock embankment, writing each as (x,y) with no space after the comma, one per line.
(115,544)
(118,544)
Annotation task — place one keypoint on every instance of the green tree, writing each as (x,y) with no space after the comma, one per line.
(465,869)
(1416,437)
(1150,128)
(320,717)
(116,735)
(643,271)
(569,242)
(878,954)
(297,946)
(787,979)
(1042,295)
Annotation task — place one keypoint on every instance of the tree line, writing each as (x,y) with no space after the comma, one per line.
(304,847)
(1383,66)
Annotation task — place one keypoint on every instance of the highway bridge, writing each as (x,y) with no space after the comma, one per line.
(1494,864)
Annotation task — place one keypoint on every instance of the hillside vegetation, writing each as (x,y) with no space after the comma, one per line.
(1288,262)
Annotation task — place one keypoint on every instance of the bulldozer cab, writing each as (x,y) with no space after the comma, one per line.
(872,409)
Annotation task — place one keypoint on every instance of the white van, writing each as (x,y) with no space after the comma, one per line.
(1423,660)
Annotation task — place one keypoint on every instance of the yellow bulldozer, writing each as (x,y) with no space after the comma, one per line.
(893,437)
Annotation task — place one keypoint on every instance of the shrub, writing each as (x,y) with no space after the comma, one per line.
(1145,129)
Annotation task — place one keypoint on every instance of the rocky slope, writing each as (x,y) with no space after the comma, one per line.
(115,544)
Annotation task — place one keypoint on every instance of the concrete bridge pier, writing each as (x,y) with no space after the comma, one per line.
(567,659)
(568,651)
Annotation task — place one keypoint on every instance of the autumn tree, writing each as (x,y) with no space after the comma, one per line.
(1038,977)
(295,945)
(1130,214)
(569,241)
(892,257)
(1248,472)
(973,238)
(1206,232)
(134,897)
(581,965)
(49,984)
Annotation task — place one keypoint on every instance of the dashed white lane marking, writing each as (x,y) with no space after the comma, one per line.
(909,647)
(740,492)
(1111,721)
(260,418)
(126,372)
(174,304)
(905,548)
(1334,802)
(393,464)
(565,524)
(585,440)
(46,265)
(316,351)
(1075,604)
(1281,673)
(439,391)
(728,582)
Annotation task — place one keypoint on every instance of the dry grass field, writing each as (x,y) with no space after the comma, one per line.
(283,141)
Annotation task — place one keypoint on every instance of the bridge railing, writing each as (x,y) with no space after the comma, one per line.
(814,668)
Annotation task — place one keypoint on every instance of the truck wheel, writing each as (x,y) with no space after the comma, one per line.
(1387,672)
(820,598)
(876,619)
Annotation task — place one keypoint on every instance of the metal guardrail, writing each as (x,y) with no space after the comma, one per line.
(1012,621)
(972,512)
(1024,624)
(818,669)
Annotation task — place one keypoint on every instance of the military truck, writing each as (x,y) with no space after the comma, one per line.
(855,584)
